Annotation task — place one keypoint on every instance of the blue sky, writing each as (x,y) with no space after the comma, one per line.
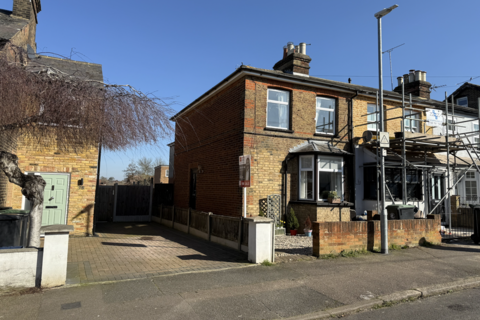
(180,49)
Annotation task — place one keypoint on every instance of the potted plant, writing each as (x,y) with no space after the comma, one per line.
(325,194)
(292,223)
(333,197)
(308,227)
(280,228)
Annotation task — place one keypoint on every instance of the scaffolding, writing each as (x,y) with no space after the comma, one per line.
(422,145)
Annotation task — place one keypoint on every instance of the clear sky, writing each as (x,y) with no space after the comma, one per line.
(180,49)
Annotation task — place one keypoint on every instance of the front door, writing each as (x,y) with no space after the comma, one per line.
(437,192)
(193,188)
(55,198)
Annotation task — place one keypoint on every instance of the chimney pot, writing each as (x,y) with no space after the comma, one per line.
(400,80)
(418,75)
(405,78)
(303,47)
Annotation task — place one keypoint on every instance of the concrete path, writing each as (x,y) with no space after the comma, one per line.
(139,250)
(303,289)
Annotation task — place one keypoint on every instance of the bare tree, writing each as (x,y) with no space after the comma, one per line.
(46,103)
(159,162)
(145,166)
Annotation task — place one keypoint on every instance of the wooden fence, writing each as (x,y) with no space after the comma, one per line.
(228,231)
(123,203)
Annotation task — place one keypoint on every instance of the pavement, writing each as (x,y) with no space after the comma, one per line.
(302,289)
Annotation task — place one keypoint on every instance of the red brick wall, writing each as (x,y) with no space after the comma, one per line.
(334,237)
(215,145)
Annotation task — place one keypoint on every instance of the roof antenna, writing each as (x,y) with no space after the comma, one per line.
(390,58)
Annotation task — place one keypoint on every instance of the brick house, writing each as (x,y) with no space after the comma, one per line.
(70,172)
(304,135)
(161,174)
(467,95)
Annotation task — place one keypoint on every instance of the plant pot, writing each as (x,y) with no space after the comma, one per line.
(331,200)
(308,233)
(293,232)
(279,231)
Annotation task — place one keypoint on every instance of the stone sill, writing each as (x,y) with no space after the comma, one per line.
(324,204)
(278,130)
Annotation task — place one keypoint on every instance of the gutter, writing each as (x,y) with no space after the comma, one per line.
(352,149)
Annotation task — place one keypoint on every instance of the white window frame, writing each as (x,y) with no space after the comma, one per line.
(319,198)
(469,179)
(334,110)
(279,102)
(410,126)
(300,169)
(166,173)
(373,126)
(461,99)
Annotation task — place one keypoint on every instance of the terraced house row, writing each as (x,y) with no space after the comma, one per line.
(309,136)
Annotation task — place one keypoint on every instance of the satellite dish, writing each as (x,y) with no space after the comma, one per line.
(367,136)
(30,53)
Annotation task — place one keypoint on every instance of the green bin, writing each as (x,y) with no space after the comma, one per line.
(400,212)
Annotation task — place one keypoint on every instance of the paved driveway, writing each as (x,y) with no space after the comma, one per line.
(140,250)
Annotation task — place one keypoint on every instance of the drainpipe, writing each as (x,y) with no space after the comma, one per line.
(352,148)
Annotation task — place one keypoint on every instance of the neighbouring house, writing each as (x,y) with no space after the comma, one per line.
(467,95)
(161,174)
(70,171)
(306,137)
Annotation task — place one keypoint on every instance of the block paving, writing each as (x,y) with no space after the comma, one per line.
(123,251)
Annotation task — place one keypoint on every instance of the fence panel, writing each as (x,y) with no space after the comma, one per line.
(181,216)
(167,213)
(245,233)
(225,227)
(199,220)
(104,203)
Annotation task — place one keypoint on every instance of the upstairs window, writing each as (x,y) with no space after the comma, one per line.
(410,124)
(166,173)
(325,116)
(278,109)
(463,101)
(372,117)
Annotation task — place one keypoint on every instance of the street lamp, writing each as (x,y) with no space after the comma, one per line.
(383,215)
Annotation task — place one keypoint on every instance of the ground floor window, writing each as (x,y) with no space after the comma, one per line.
(471,186)
(393,180)
(328,177)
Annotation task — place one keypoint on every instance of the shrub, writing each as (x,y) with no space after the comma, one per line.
(292,221)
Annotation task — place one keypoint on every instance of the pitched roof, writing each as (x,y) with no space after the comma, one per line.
(318,147)
(314,81)
(10,25)
(464,86)
(73,68)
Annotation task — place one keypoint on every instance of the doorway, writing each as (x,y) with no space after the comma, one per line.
(55,198)
(193,188)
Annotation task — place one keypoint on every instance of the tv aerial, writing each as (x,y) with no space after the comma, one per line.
(390,58)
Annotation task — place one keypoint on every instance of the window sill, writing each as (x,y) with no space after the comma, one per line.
(325,135)
(324,204)
(278,130)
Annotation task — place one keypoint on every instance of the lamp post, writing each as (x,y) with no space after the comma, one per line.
(383,215)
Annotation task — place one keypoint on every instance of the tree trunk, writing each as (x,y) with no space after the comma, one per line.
(32,188)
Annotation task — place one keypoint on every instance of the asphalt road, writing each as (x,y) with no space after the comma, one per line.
(463,305)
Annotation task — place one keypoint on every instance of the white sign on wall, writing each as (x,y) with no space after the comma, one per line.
(244,162)
(434,117)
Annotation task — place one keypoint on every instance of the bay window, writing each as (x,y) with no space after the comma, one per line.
(325,115)
(328,177)
(278,109)
(306,177)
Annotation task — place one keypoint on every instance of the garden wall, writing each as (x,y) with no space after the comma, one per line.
(335,237)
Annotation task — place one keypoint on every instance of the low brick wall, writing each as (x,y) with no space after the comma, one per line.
(335,237)
(304,210)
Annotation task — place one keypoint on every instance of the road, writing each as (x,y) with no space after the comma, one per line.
(457,305)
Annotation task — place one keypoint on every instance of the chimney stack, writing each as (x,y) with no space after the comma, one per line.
(295,60)
(415,82)
(26,9)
